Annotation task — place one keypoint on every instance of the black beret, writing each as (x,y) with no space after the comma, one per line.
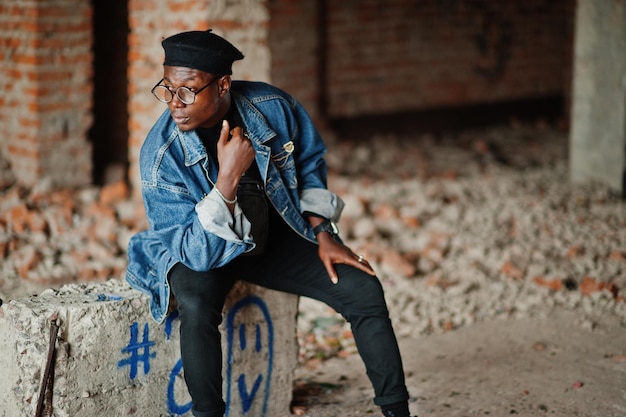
(201,50)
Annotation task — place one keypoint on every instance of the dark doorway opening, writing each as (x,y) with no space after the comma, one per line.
(109,133)
(447,120)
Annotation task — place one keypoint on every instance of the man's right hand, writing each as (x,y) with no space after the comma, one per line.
(235,154)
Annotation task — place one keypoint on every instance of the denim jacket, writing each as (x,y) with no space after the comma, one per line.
(190,223)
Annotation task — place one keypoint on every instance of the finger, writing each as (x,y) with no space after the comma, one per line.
(239,132)
(362,264)
(332,274)
(224,132)
(236,132)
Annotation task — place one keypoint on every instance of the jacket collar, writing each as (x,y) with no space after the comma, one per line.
(259,131)
(193,149)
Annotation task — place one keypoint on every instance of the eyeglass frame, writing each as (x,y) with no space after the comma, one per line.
(175,92)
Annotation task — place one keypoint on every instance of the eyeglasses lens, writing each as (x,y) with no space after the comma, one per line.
(186,95)
(165,95)
(162,93)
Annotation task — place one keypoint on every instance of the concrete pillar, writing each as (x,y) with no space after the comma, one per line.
(598,129)
(112,359)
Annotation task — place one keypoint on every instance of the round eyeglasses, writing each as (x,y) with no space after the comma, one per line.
(186,95)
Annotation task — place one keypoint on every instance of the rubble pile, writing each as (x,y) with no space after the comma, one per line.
(471,226)
(52,237)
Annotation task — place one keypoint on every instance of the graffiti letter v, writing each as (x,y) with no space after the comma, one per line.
(247,398)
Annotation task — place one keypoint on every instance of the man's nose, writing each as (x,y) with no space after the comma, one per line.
(176,102)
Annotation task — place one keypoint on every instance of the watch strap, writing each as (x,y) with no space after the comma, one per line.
(325,226)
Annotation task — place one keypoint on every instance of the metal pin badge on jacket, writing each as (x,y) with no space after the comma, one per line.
(288,147)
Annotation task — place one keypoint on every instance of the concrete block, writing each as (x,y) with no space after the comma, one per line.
(112,359)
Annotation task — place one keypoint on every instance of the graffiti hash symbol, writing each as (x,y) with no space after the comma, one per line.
(133,349)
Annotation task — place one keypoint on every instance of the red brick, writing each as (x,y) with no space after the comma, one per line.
(114,193)
(27,59)
(15,218)
(25,260)
(510,270)
(59,219)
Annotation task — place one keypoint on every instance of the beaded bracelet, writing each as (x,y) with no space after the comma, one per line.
(224,199)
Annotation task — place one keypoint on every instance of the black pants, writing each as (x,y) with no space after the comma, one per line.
(292,265)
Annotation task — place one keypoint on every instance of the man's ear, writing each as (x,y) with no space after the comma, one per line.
(224,85)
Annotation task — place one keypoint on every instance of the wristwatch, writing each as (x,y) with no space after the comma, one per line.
(326,226)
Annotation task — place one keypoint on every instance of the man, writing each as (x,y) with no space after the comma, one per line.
(234,186)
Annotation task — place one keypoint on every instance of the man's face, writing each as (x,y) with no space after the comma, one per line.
(210,104)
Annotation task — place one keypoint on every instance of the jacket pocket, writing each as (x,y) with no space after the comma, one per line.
(284,157)
(286,164)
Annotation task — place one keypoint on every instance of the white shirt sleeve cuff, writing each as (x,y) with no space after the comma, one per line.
(215,218)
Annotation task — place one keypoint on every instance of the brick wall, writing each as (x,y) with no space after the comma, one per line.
(45,69)
(294,39)
(45,105)
(400,55)
(242,22)
(404,55)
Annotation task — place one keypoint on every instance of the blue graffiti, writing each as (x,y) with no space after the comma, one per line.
(242,338)
(169,322)
(248,396)
(172,406)
(109,297)
(133,348)
(257,345)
